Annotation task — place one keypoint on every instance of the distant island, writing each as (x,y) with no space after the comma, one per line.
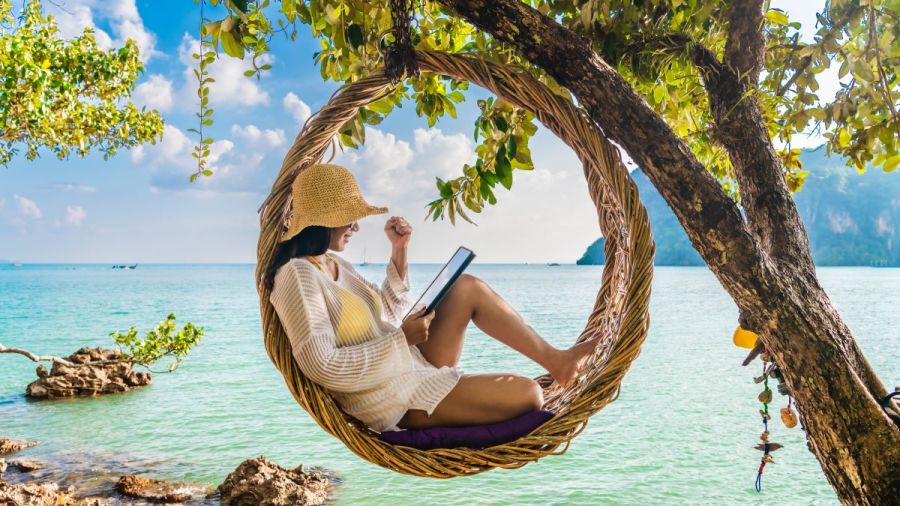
(851,218)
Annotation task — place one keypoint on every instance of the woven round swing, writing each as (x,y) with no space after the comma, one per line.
(619,316)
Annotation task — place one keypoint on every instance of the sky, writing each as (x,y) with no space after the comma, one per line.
(139,206)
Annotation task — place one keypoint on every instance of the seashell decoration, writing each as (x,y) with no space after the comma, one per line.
(772,447)
(788,417)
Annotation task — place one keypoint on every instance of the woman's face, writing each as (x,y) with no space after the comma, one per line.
(341,235)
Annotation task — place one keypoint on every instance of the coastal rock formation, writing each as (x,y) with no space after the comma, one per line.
(103,374)
(160,491)
(261,482)
(43,494)
(14,445)
(26,465)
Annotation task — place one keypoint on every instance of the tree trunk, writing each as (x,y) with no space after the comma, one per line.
(856,443)
(765,267)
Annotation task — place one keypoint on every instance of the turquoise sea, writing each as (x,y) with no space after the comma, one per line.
(682,431)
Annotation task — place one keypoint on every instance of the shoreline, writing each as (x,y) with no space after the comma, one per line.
(95,479)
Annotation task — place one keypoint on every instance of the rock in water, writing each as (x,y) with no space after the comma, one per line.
(14,445)
(106,377)
(26,465)
(159,491)
(43,494)
(261,482)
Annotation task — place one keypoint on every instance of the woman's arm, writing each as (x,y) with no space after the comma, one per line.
(300,305)
(398,256)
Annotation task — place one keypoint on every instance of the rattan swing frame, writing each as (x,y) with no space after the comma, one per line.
(620,314)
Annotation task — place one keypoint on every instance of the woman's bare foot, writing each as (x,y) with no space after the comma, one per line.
(571,361)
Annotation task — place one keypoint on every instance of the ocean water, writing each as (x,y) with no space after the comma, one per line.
(682,430)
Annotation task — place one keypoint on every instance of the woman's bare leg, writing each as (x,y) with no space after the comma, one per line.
(471,299)
(480,399)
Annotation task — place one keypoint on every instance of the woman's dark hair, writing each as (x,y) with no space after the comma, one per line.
(312,240)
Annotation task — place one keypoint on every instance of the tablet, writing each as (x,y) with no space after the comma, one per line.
(442,282)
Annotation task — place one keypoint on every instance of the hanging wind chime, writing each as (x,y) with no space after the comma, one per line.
(746,339)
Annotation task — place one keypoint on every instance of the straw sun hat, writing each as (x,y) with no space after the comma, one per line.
(326,194)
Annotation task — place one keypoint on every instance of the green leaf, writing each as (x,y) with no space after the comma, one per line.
(891,163)
(355,35)
(776,17)
(446,191)
(862,71)
(511,147)
(659,94)
(383,106)
(231,46)
(843,138)
(241,5)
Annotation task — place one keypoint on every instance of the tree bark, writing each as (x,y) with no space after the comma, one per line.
(740,127)
(764,264)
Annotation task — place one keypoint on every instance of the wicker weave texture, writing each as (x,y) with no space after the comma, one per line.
(620,314)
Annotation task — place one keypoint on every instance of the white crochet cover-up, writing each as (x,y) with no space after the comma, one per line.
(345,335)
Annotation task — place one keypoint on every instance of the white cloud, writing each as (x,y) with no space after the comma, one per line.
(393,169)
(546,216)
(74,18)
(231,88)
(234,170)
(155,93)
(253,135)
(120,16)
(74,187)
(74,215)
(297,108)
(27,207)
(446,153)
(174,150)
(383,165)
(173,145)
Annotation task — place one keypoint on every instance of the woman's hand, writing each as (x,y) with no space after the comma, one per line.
(398,232)
(415,327)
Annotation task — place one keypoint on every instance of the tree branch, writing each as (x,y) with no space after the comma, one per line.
(745,45)
(741,129)
(804,63)
(35,358)
(674,43)
(712,220)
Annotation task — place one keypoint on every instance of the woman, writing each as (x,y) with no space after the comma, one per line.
(347,333)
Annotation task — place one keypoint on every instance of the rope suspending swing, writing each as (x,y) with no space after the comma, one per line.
(619,316)
(400,57)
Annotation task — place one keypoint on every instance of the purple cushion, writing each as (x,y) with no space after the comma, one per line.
(470,436)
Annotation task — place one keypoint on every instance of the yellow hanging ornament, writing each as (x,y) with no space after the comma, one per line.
(744,338)
(788,417)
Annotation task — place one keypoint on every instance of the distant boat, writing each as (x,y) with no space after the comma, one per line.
(364,258)
(132,266)
(17,264)
(552,264)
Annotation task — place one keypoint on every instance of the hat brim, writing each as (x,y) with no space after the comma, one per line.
(369,210)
